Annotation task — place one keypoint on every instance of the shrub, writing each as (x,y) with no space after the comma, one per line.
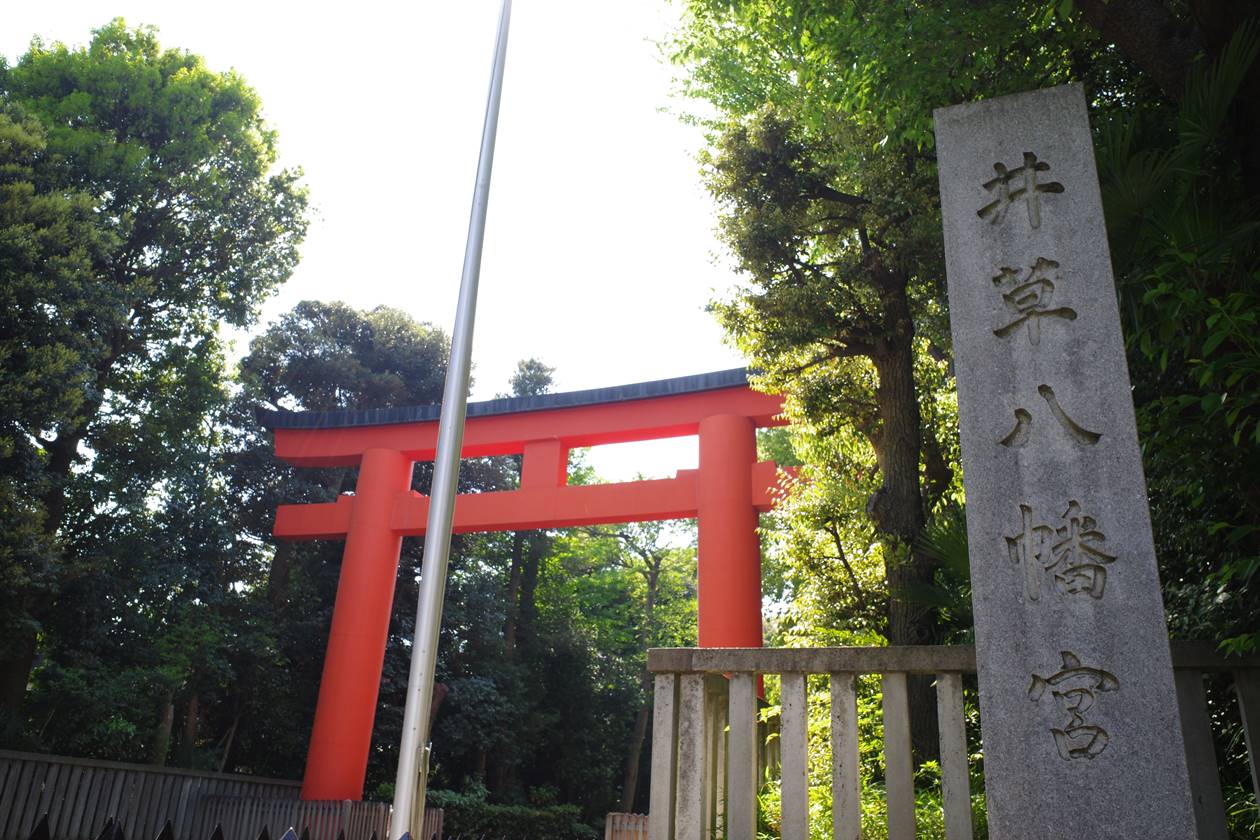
(469,815)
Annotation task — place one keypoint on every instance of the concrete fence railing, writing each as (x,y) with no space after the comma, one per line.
(709,750)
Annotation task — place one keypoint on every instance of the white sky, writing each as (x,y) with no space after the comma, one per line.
(599,255)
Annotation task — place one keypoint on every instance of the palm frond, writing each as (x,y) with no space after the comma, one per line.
(944,540)
(1210,91)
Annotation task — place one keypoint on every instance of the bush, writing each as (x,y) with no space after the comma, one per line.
(469,815)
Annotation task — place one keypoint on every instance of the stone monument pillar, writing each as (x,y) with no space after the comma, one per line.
(1078,709)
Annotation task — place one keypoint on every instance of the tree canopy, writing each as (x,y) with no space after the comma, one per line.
(147,614)
(821,161)
(143,210)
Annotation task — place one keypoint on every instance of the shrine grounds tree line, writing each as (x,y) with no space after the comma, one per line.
(821,159)
(146,614)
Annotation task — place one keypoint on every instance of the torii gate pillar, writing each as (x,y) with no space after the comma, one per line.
(728,557)
(336,762)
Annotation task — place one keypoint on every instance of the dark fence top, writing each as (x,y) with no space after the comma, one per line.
(274,419)
(16,755)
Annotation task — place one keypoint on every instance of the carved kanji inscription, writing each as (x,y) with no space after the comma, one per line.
(1075,689)
(1072,552)
(1019,184)
(1028,296)
(1022,432)
(1078,706)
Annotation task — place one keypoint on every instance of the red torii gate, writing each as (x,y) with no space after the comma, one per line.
(724,495)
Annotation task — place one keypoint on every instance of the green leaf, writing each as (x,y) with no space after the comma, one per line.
(1213,341)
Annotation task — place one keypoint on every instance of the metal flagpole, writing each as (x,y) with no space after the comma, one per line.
(413,770)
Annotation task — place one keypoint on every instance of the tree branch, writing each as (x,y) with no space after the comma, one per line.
(844,560)
(1148,34)
(832,194)
(844,352)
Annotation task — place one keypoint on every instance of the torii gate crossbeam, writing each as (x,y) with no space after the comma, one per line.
(724,495)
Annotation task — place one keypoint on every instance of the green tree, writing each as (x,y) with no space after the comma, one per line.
(316,357)
(655,580)
(821,158)
(48,241)
(163,620)
(531,378)
(189,227)
(821,164)
(1183,220)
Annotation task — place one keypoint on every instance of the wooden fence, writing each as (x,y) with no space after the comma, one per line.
(80,795)
(245,818)
(626,827)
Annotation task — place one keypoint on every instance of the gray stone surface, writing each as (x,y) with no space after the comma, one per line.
(1078,708)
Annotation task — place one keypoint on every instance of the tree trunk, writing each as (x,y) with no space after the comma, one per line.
(161,743)
(1149,35)
(497,778)
(630,775)
(1164,46)
(512,611)
(15,674)
(64,449)
(188,739)
(61,457)
(16,664)
(228,740)
(897,507)
(62,452)
(536,547)
(440,690)
(500,775)
(634,754)
(278,579)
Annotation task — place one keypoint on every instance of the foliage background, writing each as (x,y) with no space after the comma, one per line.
(145,613)
(821,162)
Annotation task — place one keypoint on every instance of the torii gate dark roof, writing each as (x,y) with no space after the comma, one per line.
(542,429)
(349,418)
(643,411)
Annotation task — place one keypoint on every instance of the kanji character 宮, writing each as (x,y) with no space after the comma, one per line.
(1075,688)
